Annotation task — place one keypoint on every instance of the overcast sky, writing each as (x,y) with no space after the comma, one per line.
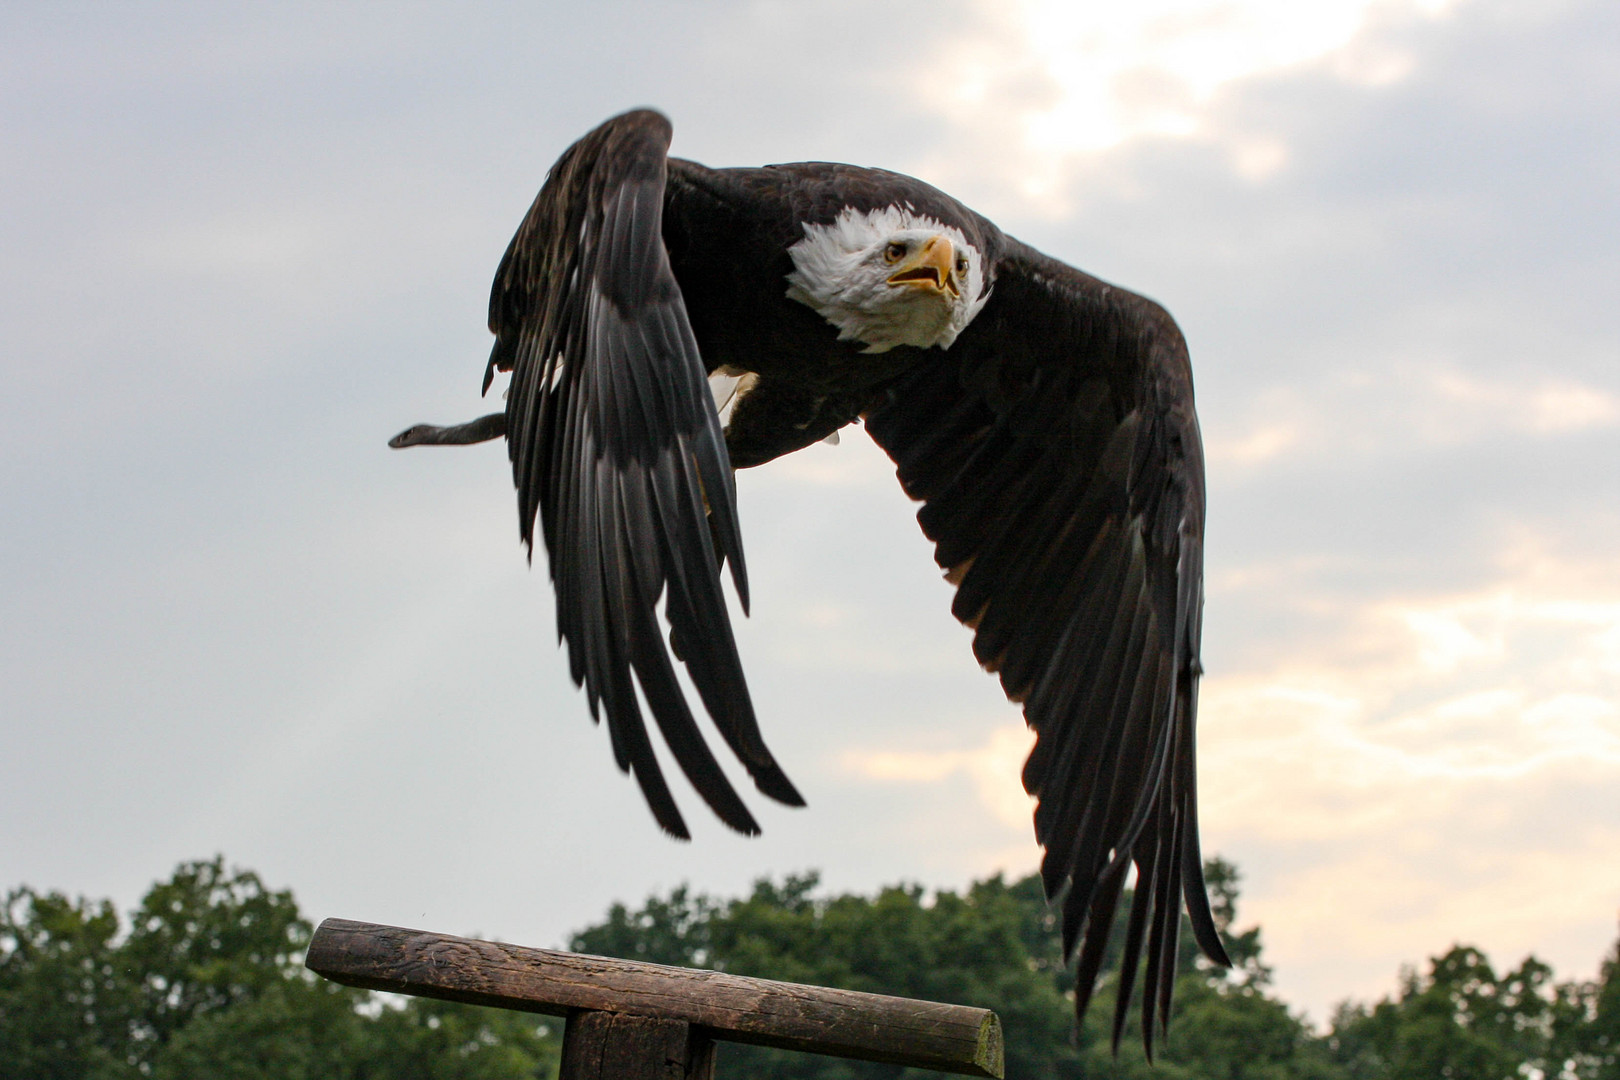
(240,247)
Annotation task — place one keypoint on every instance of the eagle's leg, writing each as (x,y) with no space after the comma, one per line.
(480,430)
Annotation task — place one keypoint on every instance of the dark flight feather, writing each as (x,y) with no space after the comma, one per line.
(616,448)
(1056,452)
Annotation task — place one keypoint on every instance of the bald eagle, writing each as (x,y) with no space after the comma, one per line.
(665,323)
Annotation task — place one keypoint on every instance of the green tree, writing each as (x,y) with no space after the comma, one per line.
(951,948)
(446,1040)
(1599,1043)
(208,941)
(1225,1024)
(65,1004)
(291,1029)
(1462,1021)
(1586,1025)
(209,982)
(996,945)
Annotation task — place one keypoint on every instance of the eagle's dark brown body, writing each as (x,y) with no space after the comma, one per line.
(1053,444)
(728,232)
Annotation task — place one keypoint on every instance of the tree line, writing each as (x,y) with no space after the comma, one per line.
(205,979)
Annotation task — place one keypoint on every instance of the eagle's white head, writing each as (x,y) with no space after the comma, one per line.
(889,277)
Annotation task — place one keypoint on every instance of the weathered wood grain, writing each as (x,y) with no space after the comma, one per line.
(814,1019)
(617,1046)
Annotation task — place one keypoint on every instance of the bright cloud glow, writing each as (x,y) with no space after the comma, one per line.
(1547,408)
(993,767)
(1082,77)
(1434,763)
(1424,405)
(1426,758)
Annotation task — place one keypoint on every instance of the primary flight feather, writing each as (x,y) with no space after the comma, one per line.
(665,323)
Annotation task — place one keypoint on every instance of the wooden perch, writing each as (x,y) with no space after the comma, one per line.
(622,1012)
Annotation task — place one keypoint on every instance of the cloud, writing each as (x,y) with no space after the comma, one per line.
(1052,84)
(1429,405)
(993,767)
(1548,407)
(1418,770)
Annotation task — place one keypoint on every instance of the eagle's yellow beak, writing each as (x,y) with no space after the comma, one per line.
(931,267)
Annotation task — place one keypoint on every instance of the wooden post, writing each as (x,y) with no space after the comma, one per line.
(614,1046)
(629,1020)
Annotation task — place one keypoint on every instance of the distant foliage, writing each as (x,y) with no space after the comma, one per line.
(995,945)
(1461,1020)
(205,980)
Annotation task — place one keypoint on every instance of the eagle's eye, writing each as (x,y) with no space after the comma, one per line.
(961,265)
(894,252)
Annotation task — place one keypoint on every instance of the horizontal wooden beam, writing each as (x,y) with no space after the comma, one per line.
(814,1019)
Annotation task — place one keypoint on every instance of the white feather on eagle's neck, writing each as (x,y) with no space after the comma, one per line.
(840,270)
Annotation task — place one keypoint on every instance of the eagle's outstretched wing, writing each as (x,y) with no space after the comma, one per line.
(1057,454)
(615,444)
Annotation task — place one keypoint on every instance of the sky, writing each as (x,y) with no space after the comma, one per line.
(241,246)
